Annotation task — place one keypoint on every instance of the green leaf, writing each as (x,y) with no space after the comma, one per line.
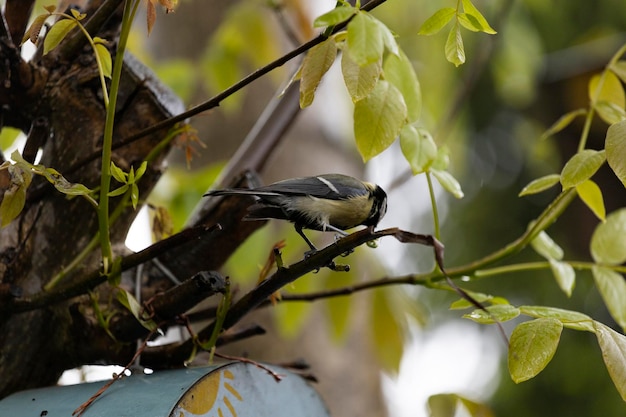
(499,312)
(478,20)
(546,247)
(581,167)
(563,122)
(532,346)
(399,71)
(57,33)
(360,80)
(15,195)
(378,119)
(611,90)
(608,245)
(612,287)
(615,146)
(339,309)
(131,304)
(462,303)
(335,16)
(418,147)
(316,63)
(610,112)
(570,319)
(386,331)
(564,275)
(590,194)
(119,175)
(141,170)
(613,347)
(365,40)
(448,182)
(469,22)
(540,184)
(118,191)
(77,15)
(619,69)
(455,52)
(437,21)
(105,58)
(389,40)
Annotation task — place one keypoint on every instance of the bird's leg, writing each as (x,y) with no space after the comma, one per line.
(339,234)
(306,239)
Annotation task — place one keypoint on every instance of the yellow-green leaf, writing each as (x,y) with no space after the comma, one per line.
(378,119)
(437,21)
(57,33)
(564,275)
(581,167)
(316,63)
(570,319)
(335,16)
(611,91)
(418,147)
(613,347)
(608,245)
(563,122)
(610,112)
(469,22)
(132,305)
(532,346)
(619,69)
(455,52)
(590,194)
(360,80)
(540,184)
(105,59)
(389,40)
(448,182)
(546,247)
(399,71)
(499,312)
(386,331)
(615,146)
(612,288)
(15,195)
(365,40)
(480,21)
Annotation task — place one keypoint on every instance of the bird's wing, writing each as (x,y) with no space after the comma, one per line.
(329,186)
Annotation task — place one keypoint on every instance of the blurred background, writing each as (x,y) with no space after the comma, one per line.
(384,352)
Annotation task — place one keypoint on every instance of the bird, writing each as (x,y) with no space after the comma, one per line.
(328,202)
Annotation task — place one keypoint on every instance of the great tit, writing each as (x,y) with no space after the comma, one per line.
(330,202)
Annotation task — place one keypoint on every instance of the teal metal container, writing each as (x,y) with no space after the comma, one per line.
(233,390)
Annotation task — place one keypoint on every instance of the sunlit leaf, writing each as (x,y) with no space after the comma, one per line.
(613,347)
(615,145)
(386,332)
(105,59)
(335,16)
(612,287)
(499,312)
(462,303)
(611,91)
(418,147)
(564,275)
(455,52)
(610,112)
(478,19)
(378,119)
(469,22)
(400,72)
(365,40)
(132,305)
(581,167)
(77,15)
(608,245)
(619,69)
(389,40)
(57,33)
(437,21)
(563,122)
(540,184)
(590,194)
(448,182)
(14,196)
(315,64)
(570,319)
(546,247)
(360,80)
(532,346)
(118,174)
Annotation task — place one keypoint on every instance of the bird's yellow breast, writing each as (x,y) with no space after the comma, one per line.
(342,214)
